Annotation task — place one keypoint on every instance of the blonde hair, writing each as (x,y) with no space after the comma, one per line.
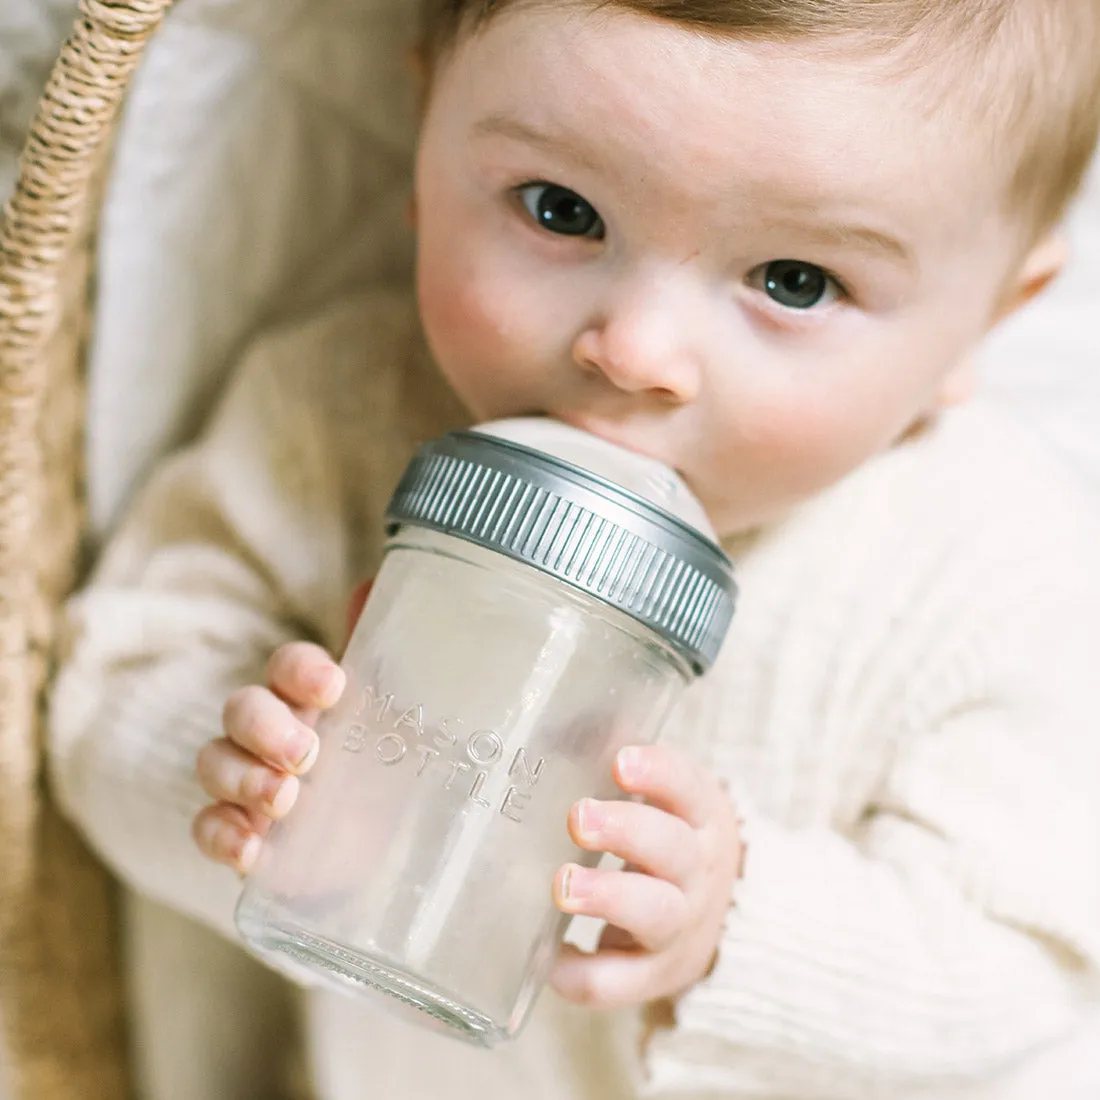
(1028,71)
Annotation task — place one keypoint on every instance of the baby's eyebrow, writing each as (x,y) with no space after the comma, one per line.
(849,234)
(871,238)
(508,126)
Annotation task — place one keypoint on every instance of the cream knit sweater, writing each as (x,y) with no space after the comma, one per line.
(905,705)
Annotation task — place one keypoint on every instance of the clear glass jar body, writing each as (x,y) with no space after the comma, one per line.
(484,698)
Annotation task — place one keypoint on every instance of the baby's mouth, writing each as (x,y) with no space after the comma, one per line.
(612,434)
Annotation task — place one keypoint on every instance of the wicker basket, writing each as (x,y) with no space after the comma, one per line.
(60,994)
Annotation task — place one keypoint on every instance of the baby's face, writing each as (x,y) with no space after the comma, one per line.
(756,268)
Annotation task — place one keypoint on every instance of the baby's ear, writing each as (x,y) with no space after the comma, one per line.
(1041,266)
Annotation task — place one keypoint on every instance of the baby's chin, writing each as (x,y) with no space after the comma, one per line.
(734,520)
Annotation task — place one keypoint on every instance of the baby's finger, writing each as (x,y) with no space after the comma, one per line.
(227,834)
(643,836)
(265,727)
(229,774)
(608,979)
(670,780)
(652,911)
(304,675)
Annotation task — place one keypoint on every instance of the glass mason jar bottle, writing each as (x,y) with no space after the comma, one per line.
(530,618)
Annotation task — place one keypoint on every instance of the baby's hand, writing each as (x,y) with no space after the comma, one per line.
(666,910)
(251,772)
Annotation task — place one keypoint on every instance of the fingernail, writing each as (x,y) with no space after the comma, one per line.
(250,852)
(574,883)
(204,831)
(630,763)
(590,817)
(283,796)
(329,686)
(302,749)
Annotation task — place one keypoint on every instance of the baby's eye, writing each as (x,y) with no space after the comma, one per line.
(561,211)
(795,284)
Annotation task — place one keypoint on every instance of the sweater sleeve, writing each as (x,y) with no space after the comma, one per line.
(236,546)
(955,931)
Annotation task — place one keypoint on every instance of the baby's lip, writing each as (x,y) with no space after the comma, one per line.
(611,435)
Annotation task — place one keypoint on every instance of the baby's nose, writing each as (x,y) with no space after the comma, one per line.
(643,344)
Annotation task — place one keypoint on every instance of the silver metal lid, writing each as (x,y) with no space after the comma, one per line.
(576,526)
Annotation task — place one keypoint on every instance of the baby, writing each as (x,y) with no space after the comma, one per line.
(759,241)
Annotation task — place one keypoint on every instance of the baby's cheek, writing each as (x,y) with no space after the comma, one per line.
(455,312)
(471,326)
(792,441)
(819,442)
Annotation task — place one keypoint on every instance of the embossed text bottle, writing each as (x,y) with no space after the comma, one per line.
(531,617)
